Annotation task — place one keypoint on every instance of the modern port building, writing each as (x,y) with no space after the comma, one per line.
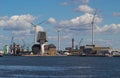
(43,48)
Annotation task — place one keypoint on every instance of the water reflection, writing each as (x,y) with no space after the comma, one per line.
(40,68)
(40,72)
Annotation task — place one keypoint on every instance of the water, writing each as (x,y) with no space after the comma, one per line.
(59,67)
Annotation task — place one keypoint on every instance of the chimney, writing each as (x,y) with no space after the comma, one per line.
(72,43)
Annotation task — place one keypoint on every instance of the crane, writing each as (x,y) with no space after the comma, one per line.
(25,47)
(80,41)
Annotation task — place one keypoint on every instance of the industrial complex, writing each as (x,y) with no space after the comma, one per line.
(43,49)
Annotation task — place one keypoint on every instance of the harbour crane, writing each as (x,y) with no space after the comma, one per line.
(25,47)
(80,41)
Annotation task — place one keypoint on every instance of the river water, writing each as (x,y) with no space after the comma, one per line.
(59,67)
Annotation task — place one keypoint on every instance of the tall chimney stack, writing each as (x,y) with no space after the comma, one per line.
(72,43)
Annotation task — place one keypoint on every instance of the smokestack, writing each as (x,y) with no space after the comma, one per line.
(72,43)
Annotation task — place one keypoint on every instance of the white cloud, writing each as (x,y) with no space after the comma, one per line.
(81,20)
(107,29)
(84,8)
(39,28)
(65,4)
(112,28)
(63,37)
(116,14)
(80,1)
(97,29)
(81,23)
(85,1)
(18,24)
(51,20)
(75,2)
(21,32)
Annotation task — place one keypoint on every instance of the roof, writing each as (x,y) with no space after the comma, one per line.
(51,46)
(100,48)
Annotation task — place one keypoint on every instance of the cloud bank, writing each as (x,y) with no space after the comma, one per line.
(80,23)
(84,8)
(75,2)
(83,23)
(19,24)
(117,14)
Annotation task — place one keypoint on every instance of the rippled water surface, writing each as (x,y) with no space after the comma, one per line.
(59,67)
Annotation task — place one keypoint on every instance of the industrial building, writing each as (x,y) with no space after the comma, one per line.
(49,49)
(88,50)
(43,48)
(94,50)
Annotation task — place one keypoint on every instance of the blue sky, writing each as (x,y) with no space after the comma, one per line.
(71,17)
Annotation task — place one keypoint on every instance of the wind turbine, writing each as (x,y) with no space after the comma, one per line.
(59,39)
(93,20)
(35,25)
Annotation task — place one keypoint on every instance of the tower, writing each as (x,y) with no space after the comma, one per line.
(72,43)
(42,40)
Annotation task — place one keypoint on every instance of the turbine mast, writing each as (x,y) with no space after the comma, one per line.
(58,40)
(93,20)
